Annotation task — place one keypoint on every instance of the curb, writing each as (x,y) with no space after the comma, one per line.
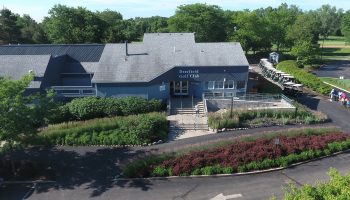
(26,182)
(235,174)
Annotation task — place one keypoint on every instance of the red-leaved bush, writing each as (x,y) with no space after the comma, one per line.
(241,152)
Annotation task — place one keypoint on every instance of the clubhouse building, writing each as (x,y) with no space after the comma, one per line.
(164,65)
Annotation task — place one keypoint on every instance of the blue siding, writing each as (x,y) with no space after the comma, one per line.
(147,92)
(196,84)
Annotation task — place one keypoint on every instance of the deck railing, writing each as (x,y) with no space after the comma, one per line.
(263,97)
(74,91)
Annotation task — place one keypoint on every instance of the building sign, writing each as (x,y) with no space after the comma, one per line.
(184,74)
(162,88)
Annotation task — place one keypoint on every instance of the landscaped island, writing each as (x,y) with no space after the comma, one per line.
(246,154)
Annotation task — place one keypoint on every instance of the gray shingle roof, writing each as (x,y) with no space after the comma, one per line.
(15,66)
(79,52)
(161,52)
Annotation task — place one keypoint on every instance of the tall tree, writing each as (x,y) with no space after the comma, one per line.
(251,31)
(9,30)
(329,19)
(73,25)
(305,28)
(345,26)
(207,21)
(31,31)
(15,116)
(114,26)
(278,20)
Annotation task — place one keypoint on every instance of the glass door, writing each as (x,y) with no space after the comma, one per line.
(180,87)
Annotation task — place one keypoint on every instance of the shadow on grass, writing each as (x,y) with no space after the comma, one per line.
(94,167)
(334,52)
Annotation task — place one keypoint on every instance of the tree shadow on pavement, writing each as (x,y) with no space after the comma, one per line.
(95,167)
(309,100)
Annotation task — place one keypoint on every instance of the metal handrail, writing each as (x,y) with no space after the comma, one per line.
(169,105)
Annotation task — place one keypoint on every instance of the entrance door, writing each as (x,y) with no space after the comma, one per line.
(180,88)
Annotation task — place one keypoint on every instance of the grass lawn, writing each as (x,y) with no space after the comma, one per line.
(334,41)
(336,53)
(335,48)
(341,83)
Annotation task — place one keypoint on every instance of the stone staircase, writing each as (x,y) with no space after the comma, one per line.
(184,117)
(189,110)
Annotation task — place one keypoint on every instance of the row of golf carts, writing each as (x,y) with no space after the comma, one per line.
(289,84)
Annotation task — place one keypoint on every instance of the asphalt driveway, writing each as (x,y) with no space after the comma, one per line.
(335,69)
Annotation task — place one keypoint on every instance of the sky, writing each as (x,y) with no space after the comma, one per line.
(38,9)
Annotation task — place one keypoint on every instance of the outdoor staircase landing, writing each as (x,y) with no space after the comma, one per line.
(183,115)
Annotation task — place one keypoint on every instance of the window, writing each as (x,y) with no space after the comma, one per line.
(240,84)
(219,84)
(211,85)
(229,84)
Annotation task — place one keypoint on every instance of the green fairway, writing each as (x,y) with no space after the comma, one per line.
(341,83)
(336,53)
(335,48)
(334,41)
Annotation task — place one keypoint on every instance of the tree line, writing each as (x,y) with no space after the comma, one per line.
(284,27)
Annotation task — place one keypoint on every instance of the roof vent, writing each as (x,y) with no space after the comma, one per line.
(202,51)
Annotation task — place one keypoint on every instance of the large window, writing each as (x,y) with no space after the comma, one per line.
(211,85)
(240,84)
(219,85)
(229,84)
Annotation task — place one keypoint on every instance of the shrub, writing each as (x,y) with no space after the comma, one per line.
(160,171)
(309,80)
(210,170)
(337,188)
(133,129)
(139,168)
(97,107)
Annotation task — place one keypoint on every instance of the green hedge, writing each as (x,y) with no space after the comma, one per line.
(97,107)
(309,80)
(133,129)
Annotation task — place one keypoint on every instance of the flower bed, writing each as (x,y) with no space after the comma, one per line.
(264,117)
(244,156)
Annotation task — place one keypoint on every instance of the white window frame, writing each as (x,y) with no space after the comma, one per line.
(211,85)
(217,83)
(229,82)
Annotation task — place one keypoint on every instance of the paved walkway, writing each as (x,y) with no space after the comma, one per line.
(195,124)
